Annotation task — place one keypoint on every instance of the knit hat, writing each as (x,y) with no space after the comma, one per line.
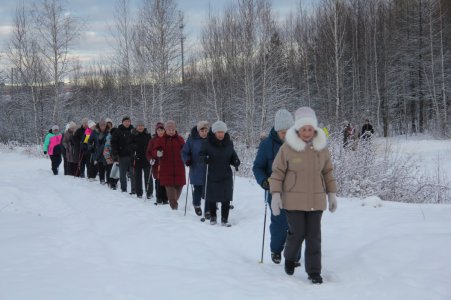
(55,128)
(283,120)
(108,120)
(169,125)
(159,125)
(305,116)
(219,126)
(84,121)
(202,124)
(124,118)
(91,123)
(140,123)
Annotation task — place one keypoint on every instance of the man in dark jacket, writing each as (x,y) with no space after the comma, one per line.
(139,140)
(119,144)
(262,169)
(367,130)
(79,153)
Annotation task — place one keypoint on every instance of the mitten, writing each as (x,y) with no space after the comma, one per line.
(276,204)
(160,153)
(45,152)
(332,202)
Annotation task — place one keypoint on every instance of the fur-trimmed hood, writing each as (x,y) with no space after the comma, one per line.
(296,143)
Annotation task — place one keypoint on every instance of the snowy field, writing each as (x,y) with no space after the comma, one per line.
(67,238)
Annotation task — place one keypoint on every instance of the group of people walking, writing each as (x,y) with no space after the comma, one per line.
(293,166)
(132,152)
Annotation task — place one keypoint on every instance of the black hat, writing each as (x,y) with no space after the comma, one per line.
(124,118)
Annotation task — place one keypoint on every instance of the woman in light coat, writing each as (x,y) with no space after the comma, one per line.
(301,182)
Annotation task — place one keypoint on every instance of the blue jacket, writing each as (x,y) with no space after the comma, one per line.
(267,151)
(191,152)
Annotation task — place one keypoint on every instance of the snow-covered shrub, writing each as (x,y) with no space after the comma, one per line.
(367,168)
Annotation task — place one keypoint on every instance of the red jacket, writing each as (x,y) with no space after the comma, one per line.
(171,170)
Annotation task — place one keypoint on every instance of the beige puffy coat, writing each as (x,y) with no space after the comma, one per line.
(303,173)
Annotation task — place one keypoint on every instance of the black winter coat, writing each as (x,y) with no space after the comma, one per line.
(120,140)
(138,145)
(221,155)
(77,140)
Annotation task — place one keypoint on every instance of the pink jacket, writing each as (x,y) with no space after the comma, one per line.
(54,140)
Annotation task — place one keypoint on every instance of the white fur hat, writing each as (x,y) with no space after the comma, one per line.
(305,116)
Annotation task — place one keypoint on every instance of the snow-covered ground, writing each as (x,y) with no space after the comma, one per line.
(67,238)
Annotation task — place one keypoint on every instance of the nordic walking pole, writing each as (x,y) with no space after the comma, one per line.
(206,183)
(233,188)
(187,190)
(264,225)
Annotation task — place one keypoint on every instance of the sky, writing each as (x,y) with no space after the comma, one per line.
(96,41)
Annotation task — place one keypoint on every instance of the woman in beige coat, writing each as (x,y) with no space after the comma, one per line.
(301,182)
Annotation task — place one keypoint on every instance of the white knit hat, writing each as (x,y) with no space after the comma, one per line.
(219,126)
(283,120)
(55,127)
(305,116)
(91,123)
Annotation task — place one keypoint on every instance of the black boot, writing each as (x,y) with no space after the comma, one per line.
(276,258)
(289,267)
(315,278)
(198,210)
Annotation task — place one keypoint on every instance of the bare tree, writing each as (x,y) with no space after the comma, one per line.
(57,33)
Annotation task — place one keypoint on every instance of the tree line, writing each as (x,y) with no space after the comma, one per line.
(388,61)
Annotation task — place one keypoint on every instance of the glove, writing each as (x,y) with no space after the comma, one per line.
(152,162)
(45,152)
(188,163)
(276,204)
(265,184)
(332,202)
(160,153)
(236,163)
(207,159)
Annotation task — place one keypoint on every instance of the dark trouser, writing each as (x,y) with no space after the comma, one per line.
(173,192)
(111,181)
(225,207)
(139,180)
(198,194)
(303,225)
(125,165)
(102,170)
(56,161)
(160,192)
(92,168)
(278,229)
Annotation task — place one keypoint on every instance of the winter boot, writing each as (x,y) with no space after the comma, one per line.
(213,220)
(207,215)
(315,278)
(276,257)
(297,264)
(198,210)
(289,267)
(225,223)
